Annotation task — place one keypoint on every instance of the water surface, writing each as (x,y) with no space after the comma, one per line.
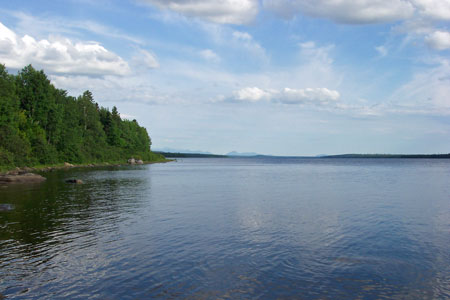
(232,228)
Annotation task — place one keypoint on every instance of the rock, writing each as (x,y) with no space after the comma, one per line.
(140,162)
(76,181)
(25,170)
(132,161)
(66,164)
(16,171)
(6,207)
(22,178)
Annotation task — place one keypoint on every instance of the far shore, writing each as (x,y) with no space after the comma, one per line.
(203,155)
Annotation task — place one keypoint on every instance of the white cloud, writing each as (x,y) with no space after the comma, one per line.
(221,11)
(362,11)
(246,41)
(145,59)
(311,52)
(382,50)
(344,11)
(435,9)
(234,40)
(427,92)
(244,36)
(317,96)
(419,16)
(439,40)
(59,55)
(209,55)
(313,96)
(251,94)
(127,117)
(107,89)
(42,27)
(417,26)
(316,67)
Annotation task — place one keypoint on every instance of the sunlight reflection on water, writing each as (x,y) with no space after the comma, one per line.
(231,228)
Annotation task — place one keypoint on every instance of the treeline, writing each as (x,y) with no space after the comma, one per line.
(388,156)
(40,124)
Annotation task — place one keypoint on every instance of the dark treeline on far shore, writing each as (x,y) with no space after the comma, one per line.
(40,124)
(201,155)
(389,156)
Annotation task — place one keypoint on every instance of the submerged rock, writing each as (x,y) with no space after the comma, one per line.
(76,181)
(22,178)
(6,207)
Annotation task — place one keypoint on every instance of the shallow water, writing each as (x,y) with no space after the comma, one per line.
(231,228)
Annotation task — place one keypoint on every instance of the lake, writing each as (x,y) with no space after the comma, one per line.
(231,228)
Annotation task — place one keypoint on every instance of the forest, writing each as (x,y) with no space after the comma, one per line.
(42,125)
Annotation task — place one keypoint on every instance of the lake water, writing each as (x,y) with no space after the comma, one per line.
(232,228)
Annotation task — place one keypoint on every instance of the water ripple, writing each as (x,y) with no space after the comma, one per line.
(231,229)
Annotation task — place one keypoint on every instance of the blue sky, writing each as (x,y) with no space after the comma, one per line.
(283,77)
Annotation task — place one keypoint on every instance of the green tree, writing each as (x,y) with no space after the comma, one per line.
(40,124)
(9,102)
(35,95)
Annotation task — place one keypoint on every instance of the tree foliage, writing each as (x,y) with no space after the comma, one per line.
(40,124)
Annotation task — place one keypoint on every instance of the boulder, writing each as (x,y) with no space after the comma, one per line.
(25,170)
(13,172)
(66,164)
(139,162)
(22,178)
(76,181)
(132,161)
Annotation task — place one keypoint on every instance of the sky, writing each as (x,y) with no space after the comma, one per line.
(279,77)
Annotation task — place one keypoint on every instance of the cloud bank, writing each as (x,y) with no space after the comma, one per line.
(222,11)
(361,11)
(433,9)
(344,11)
(439,40)
(59,55)
(314,96)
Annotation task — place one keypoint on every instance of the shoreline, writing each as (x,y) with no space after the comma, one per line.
(17,171)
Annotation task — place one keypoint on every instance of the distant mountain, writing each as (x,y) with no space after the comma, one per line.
(173,150)
(246,154)
(196,155)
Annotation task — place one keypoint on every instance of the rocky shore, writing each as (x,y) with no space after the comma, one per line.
(21,176)
(28,175)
